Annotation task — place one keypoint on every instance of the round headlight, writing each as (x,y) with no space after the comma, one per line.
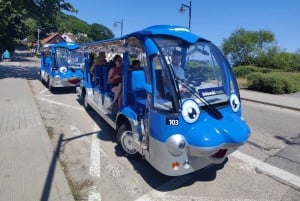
(176,144)
(190,111)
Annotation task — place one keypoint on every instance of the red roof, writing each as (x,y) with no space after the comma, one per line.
(53,38)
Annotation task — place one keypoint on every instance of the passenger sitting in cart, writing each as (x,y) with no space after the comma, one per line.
(136,65)
(115,78)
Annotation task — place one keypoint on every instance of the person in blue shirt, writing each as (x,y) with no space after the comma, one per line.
(6,55)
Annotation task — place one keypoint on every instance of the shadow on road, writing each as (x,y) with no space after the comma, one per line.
(21,66)
(13,71)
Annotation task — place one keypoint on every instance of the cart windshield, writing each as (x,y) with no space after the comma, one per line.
(191,71)
(69,58)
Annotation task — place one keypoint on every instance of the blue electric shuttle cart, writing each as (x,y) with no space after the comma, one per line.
(61,65)
(180,119)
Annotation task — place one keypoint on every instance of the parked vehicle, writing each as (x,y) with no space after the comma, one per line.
(180,121)
(61,65)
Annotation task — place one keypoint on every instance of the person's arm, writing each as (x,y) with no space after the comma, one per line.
(109,77)
(92,69)
(113,77)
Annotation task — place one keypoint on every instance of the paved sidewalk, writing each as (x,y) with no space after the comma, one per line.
(29,166)
(290,101)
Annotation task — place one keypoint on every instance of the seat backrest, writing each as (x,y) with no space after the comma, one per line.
(101,76)
(137,93)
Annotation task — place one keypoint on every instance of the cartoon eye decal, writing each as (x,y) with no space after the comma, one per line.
(235,102)
(63,69)
(190,111)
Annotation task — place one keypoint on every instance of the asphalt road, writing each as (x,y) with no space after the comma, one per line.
(97,170)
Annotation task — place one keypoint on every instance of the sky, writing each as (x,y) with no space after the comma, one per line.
(214,20)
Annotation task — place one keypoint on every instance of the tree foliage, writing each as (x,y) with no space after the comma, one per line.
(99,32)
(11,25)
(243,46)
(275,58)
(93,32)
(22,18)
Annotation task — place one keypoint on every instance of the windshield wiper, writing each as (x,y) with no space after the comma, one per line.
(213,111)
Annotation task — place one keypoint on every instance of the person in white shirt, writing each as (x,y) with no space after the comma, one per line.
(176,64)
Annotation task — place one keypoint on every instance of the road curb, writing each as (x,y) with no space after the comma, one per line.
(272,104)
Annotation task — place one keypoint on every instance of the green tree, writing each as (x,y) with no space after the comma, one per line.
(69,23)
(44,11)
(14,25)
(31,25)
(11,25)
(83,31)
(242,47)
(99,32)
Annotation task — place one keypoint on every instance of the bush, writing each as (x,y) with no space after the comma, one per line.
(243,71)
(275,83)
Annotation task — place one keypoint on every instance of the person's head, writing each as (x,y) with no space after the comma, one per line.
(91,57)
(101,59)
(102,55)
(176,57)
(117,60)
(136,64)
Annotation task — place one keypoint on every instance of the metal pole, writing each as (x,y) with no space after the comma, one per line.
(190,11)
(190,15)
(119,22)
(121,27)
(38,40)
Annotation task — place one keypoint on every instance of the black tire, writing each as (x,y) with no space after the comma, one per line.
(41,77)
(124,139)
(49,84)
(81,97)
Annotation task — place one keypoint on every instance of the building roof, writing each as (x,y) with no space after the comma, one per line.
(53,38)
(69,37)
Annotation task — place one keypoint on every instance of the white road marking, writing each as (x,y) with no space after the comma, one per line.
(95,148)
(95,157)
(152,195)
(94,196)
(75,130)
(194,198)
(274,172)
(267,169)
(47,95)
(62,104)
(95,164)
(172,184)
(43,91)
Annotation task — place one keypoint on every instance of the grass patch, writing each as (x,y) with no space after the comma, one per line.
(50,131)
(242,82)
(78,187)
